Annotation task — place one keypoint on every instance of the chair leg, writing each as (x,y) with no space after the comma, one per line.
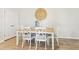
(36,45)
(39,43)
(28,41)
(45,46)
(57,42)
(17,39)
(48,42)
(30,45)
(23,43)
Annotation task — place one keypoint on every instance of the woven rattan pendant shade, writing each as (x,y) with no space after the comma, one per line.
(40,14)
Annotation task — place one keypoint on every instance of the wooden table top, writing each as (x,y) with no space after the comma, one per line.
(48,29)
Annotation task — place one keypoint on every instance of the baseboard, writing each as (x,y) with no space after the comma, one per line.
(68,38)
(3,40)
(8,37)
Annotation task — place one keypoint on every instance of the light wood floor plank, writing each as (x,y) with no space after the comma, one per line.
(65,44)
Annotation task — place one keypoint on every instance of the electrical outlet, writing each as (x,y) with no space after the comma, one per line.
(12,25)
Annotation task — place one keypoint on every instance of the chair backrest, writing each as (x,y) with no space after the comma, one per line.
(40,29)
(27,28)
(40,34)
(27,32)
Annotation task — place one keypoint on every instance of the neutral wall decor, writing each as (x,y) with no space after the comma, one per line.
(40,14)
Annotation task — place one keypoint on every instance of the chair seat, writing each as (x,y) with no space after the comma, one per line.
(41,40)
(27,36)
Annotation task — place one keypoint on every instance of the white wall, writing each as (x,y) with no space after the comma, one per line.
(67,22)
(8,23)
(63,19)
(27,17)
(11,22)
(1,25)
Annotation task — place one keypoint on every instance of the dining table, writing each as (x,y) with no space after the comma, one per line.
(48,30)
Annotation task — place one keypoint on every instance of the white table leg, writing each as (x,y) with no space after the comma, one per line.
(52,41)
(17,39)
(36,45)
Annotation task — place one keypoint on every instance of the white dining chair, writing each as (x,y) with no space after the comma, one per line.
(56,37)
(56,30)
(27,36)
(40,36)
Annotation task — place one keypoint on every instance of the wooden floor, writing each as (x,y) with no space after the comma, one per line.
(65,44)
(68,44)
(11,45)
